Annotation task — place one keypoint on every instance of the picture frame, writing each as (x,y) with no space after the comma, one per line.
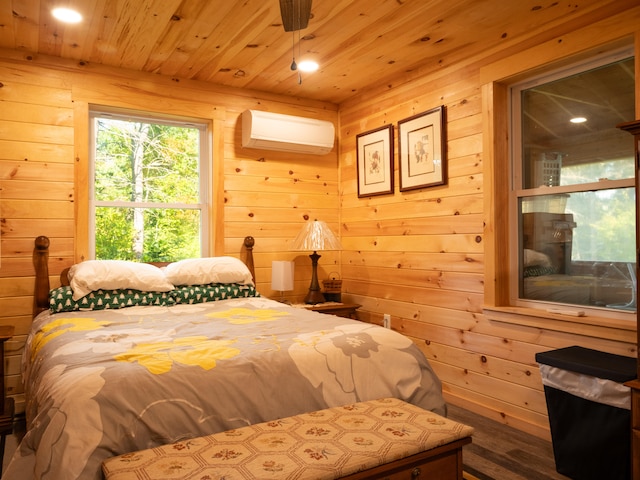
(374,155)
(422,150)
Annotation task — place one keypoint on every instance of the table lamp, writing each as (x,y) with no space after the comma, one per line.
(282,277)
(315,236)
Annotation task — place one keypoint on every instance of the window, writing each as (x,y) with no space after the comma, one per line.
(572,201)
(148,188)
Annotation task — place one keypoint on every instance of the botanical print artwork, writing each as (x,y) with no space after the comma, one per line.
(422,152)
(375,161)
(373,156)
(421,157)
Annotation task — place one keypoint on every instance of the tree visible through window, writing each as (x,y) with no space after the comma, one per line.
(148,200)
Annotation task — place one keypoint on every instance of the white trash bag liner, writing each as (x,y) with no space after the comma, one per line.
(599,390)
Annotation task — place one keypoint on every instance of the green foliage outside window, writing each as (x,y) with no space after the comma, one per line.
(146,191)
(606,221)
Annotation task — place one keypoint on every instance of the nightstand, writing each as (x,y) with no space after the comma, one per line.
(347,310)
(6,404)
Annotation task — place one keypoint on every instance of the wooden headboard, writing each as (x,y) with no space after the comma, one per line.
(41,265)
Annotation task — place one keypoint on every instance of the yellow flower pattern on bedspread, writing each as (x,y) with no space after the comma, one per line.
(61,326)
(159,357)
(241,316)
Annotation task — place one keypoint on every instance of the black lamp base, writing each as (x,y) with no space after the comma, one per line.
(314,295)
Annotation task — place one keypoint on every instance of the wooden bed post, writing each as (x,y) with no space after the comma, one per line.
(41,264)
(249,242)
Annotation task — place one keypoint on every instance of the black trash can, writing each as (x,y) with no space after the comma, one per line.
(589,411)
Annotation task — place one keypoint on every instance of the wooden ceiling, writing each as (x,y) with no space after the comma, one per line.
(603,96)
(360,44)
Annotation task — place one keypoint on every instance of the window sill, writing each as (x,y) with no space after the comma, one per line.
(622,330)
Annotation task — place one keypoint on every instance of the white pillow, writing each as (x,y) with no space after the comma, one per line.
(532,257)
(85,277)
(201,271)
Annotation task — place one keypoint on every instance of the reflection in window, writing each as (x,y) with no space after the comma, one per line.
(576,251)
(573,194)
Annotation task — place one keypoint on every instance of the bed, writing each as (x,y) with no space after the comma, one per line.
(121,369)
(598,284)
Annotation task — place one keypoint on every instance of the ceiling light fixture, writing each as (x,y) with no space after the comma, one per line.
(66,15)
(308,66)
(578,120)
(295,17)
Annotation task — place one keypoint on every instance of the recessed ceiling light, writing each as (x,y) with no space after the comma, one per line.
(578,120)
(308,66)
(66,15)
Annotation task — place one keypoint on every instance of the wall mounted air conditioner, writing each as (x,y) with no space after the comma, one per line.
(286,133)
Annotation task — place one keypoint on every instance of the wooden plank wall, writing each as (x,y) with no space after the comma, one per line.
(268,195)
(422,255)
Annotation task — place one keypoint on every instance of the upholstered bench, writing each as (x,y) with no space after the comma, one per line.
(374,439)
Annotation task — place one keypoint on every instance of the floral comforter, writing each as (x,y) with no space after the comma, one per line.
(104,383)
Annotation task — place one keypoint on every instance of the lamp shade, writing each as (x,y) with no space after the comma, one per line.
(316,236)
(282,275)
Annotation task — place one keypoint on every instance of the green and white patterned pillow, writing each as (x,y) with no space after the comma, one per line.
(538,270)
(189,294)
(61,299)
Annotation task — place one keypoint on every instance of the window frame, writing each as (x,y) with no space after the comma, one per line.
(515,181)
(203,206)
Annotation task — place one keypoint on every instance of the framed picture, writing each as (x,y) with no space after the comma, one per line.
(375,161)
(421,150)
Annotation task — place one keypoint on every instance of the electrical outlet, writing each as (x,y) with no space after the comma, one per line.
(386,321)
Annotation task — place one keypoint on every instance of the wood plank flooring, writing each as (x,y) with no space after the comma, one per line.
(500,452)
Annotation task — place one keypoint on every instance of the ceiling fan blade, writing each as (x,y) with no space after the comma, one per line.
(295,14)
